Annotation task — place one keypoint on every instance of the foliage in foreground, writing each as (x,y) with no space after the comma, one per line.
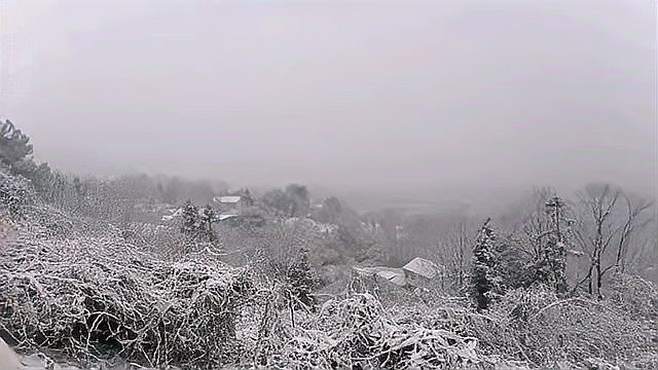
(356,331)
(81,288)
(92,297)
(535,326)
(98,297)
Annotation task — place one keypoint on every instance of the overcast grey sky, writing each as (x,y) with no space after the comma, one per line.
(403,95)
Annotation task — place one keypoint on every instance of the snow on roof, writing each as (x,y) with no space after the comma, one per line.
(396,278)
(390,274)
(368,270)
(575,252)
(228,199)
(174,213)
(422,267)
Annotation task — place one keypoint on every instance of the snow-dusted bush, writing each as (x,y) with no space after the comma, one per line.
(355,331)
(15,194)
(536,326)
(99,296)
(634,295)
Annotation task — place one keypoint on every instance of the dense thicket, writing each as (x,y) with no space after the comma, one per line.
(91,269)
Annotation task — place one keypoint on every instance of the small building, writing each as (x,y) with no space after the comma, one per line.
(238,209)
(230,206)
(421,267)
(393,276)
(234,201)
(173,214)
(419,272)
(390,275)
(224,217)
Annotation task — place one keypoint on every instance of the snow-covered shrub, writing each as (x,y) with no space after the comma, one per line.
(355,331)
(634,295)
(536,326)
(15,194)
(94,297)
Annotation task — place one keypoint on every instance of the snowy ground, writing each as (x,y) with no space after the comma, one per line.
(41,362)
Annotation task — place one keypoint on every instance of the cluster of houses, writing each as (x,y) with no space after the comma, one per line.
(417,273)
(229,206)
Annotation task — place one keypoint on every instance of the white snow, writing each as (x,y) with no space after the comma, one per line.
(230,199)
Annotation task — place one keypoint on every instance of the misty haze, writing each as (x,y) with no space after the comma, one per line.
(328,184)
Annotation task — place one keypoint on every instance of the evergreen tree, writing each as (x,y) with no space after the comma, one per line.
(330,212)
(248,198)
(191,220)
(16,154)
(299,199)
(485,280)
(294,201)
(302,280)
(206,219)
(511,267)
(14,144)
(279,201)
(550,268)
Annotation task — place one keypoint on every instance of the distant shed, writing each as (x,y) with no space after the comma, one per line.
(421,267)
(173,214)
(417,273)
(229,199)
(394,277)
(231,205)
(389,274)
(223,217)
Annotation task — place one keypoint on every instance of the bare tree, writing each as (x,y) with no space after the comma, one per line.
(536,225)
(455,253)
(604,225)
(634,212)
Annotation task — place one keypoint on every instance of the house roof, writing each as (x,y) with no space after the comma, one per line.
(226,217)
(394,277)
(422,267)
(173,213)
(390,274)
(228,199)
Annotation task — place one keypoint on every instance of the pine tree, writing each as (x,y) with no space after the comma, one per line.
(302,279)
(14,144)
(206,219)
(511,267)
(16,154)
(191,220)
(550,268)
(485,280)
